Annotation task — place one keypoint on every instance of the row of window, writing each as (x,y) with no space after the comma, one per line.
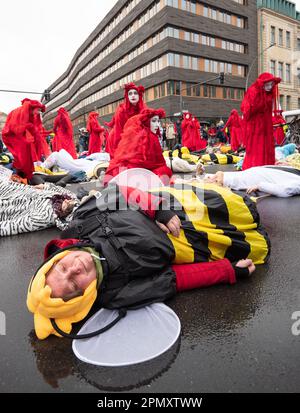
(195,7)
(192,6)
(170,59)
(178,88)
(166,32)
(280,40)
(285,75)
(206,40)
(286,102)
(205,65)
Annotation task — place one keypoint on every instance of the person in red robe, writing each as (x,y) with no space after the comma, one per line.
(42,149)
(133,105)
(234,124)
(278,120)
(259,102)
(139,146)
(198,142)
(20,135)
(63,130)
(191,137)
(96,133)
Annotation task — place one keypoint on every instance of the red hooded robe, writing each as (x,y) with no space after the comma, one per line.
(234,124)
(257,108)
(191,137)
(43,150)
(277,120)
(63,130)
(20,136)
(124,112)
(96,139)
(139,148)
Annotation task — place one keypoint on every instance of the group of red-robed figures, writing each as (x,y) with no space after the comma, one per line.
(25,136)
(131,143)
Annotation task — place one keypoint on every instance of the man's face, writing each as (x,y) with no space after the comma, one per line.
(154,124)
(133,97)
(72,274)
(269,86)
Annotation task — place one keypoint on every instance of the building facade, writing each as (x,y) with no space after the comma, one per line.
(168,46)
(279,25)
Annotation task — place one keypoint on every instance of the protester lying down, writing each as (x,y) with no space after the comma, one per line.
(127,248)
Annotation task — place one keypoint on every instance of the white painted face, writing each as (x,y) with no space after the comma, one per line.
(187,116)
(269,86)
(154,124)
(133,97)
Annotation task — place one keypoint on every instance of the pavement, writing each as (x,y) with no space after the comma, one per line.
(234,338)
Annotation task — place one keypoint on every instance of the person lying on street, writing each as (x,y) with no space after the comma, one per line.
(25,208)
(280,181)
(126,248)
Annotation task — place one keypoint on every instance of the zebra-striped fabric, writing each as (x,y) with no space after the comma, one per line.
(26,209)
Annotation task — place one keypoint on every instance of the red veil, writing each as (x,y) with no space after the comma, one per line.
(96,133)
(123,112)
(277,120)
(21,136)
(191,137)
(234,124)
(63,130)
(257,108)
(139,147)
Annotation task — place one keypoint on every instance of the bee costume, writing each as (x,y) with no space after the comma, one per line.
(216,223)
(141,264)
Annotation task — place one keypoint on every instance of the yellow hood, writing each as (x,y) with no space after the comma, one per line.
(40,303)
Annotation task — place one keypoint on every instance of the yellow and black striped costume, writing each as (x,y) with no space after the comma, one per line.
(182,153)
(220,158)
(216,223)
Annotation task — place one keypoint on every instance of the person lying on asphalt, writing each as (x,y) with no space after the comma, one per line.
(280,181)
(126,248)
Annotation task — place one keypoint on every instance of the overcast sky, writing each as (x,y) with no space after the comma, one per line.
(38,41)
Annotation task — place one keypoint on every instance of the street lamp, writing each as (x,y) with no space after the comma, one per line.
(45,95)
(255,60)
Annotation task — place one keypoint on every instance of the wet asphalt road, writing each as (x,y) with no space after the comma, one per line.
(234,338)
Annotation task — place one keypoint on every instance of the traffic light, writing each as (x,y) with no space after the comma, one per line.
(46,95)
(222,78)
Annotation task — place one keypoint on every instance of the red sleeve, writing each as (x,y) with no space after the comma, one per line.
(203,274)
(111,123)
(145,201)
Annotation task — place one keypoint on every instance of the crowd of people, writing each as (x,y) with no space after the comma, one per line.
(128,245)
